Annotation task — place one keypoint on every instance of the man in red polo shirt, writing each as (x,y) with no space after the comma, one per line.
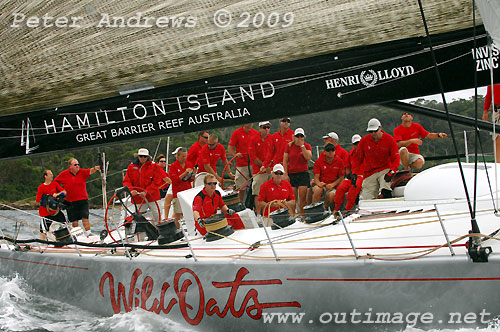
(207,202)
(379,153)
(492,104)
(409,136)
(340,152)
(238,147)
(210,154)
(194,150)
(276,189)
(143,180)
(281,139)
(260,150)
(328,173)
(180,172)
(74,181)
(354,180)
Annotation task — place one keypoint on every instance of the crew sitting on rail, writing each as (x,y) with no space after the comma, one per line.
(49,190)
(207,202)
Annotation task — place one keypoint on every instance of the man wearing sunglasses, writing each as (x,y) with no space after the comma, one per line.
(74,181)
(143,179)
(276,189)
(260,150)
(378,151)
(281,139)
(180,172)
(328,173)
(207,202)
(195,149)
(210,154)
(238,147)
(409,135)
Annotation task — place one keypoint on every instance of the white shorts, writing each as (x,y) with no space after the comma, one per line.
(412,157)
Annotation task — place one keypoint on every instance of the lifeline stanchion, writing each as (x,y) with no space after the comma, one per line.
(348,236)
(189,243)
(444,231)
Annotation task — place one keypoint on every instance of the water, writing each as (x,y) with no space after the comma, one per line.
(22,309)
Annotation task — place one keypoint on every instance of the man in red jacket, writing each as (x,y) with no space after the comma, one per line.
(143,180)
(379,153)
(328,171)
(181,174)
(74,181)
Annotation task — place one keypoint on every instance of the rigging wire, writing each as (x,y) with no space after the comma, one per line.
(475,228)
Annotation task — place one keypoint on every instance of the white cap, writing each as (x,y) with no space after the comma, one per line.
(373,125)
(299,131)
(278,168)
(355,138)
(177,150)
(263,123)
(143,152)
(332,135)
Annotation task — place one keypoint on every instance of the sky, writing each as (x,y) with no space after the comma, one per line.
(450,96)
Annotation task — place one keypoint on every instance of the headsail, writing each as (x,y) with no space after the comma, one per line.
(490,13)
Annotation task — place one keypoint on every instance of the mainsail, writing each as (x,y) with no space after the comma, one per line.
(106,80)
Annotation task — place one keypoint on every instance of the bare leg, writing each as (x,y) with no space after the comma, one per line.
(302,198)
(317,194)
(497,152)
(404,158)
(167,203)
(86,224)
(417,164)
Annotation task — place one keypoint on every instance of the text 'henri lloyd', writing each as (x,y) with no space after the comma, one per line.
(188,285)
(370,77)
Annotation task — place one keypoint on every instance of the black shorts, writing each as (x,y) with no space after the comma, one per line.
(300,179)
(78,210)
(47,220)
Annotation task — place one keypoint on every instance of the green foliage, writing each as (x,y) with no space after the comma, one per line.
(20,178)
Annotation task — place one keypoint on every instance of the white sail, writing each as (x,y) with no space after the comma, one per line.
(490,13)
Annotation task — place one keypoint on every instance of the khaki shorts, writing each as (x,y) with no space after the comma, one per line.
(326,192)
(412,157)
(239,179)
(258,180)
(373,184)
(177,205)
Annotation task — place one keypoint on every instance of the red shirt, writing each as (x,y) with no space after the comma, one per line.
(415,130)
(240,140)
(354,164)
(378,156)
(193,153)
(206,206)
(328,173)
(280,144)
(44,189)
(75,185)
(487,98)
(262,149)
(341,153)
(296,161)
(144,178)
(175,171)
(270,191)
(208,156)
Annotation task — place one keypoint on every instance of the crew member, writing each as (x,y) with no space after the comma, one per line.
(210,154)
(238,147)
(379,153)
(161,162)
(260,150)
(297,154)
(354,179)
(143,180)
(49,189)
(181,173)
(409,136)
(195,149)
(328,173)
(492,104)
(281,139)
(275,194)
(207,202)
(74,181)
(340,152)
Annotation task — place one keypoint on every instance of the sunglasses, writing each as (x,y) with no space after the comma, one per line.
(372,131)
(299,135)
(266,127)
(285,120)
(143,156)
(162,161)
(212,183)
(278,173)
(213,144)
(76,164)
(205,137)
(329,150)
